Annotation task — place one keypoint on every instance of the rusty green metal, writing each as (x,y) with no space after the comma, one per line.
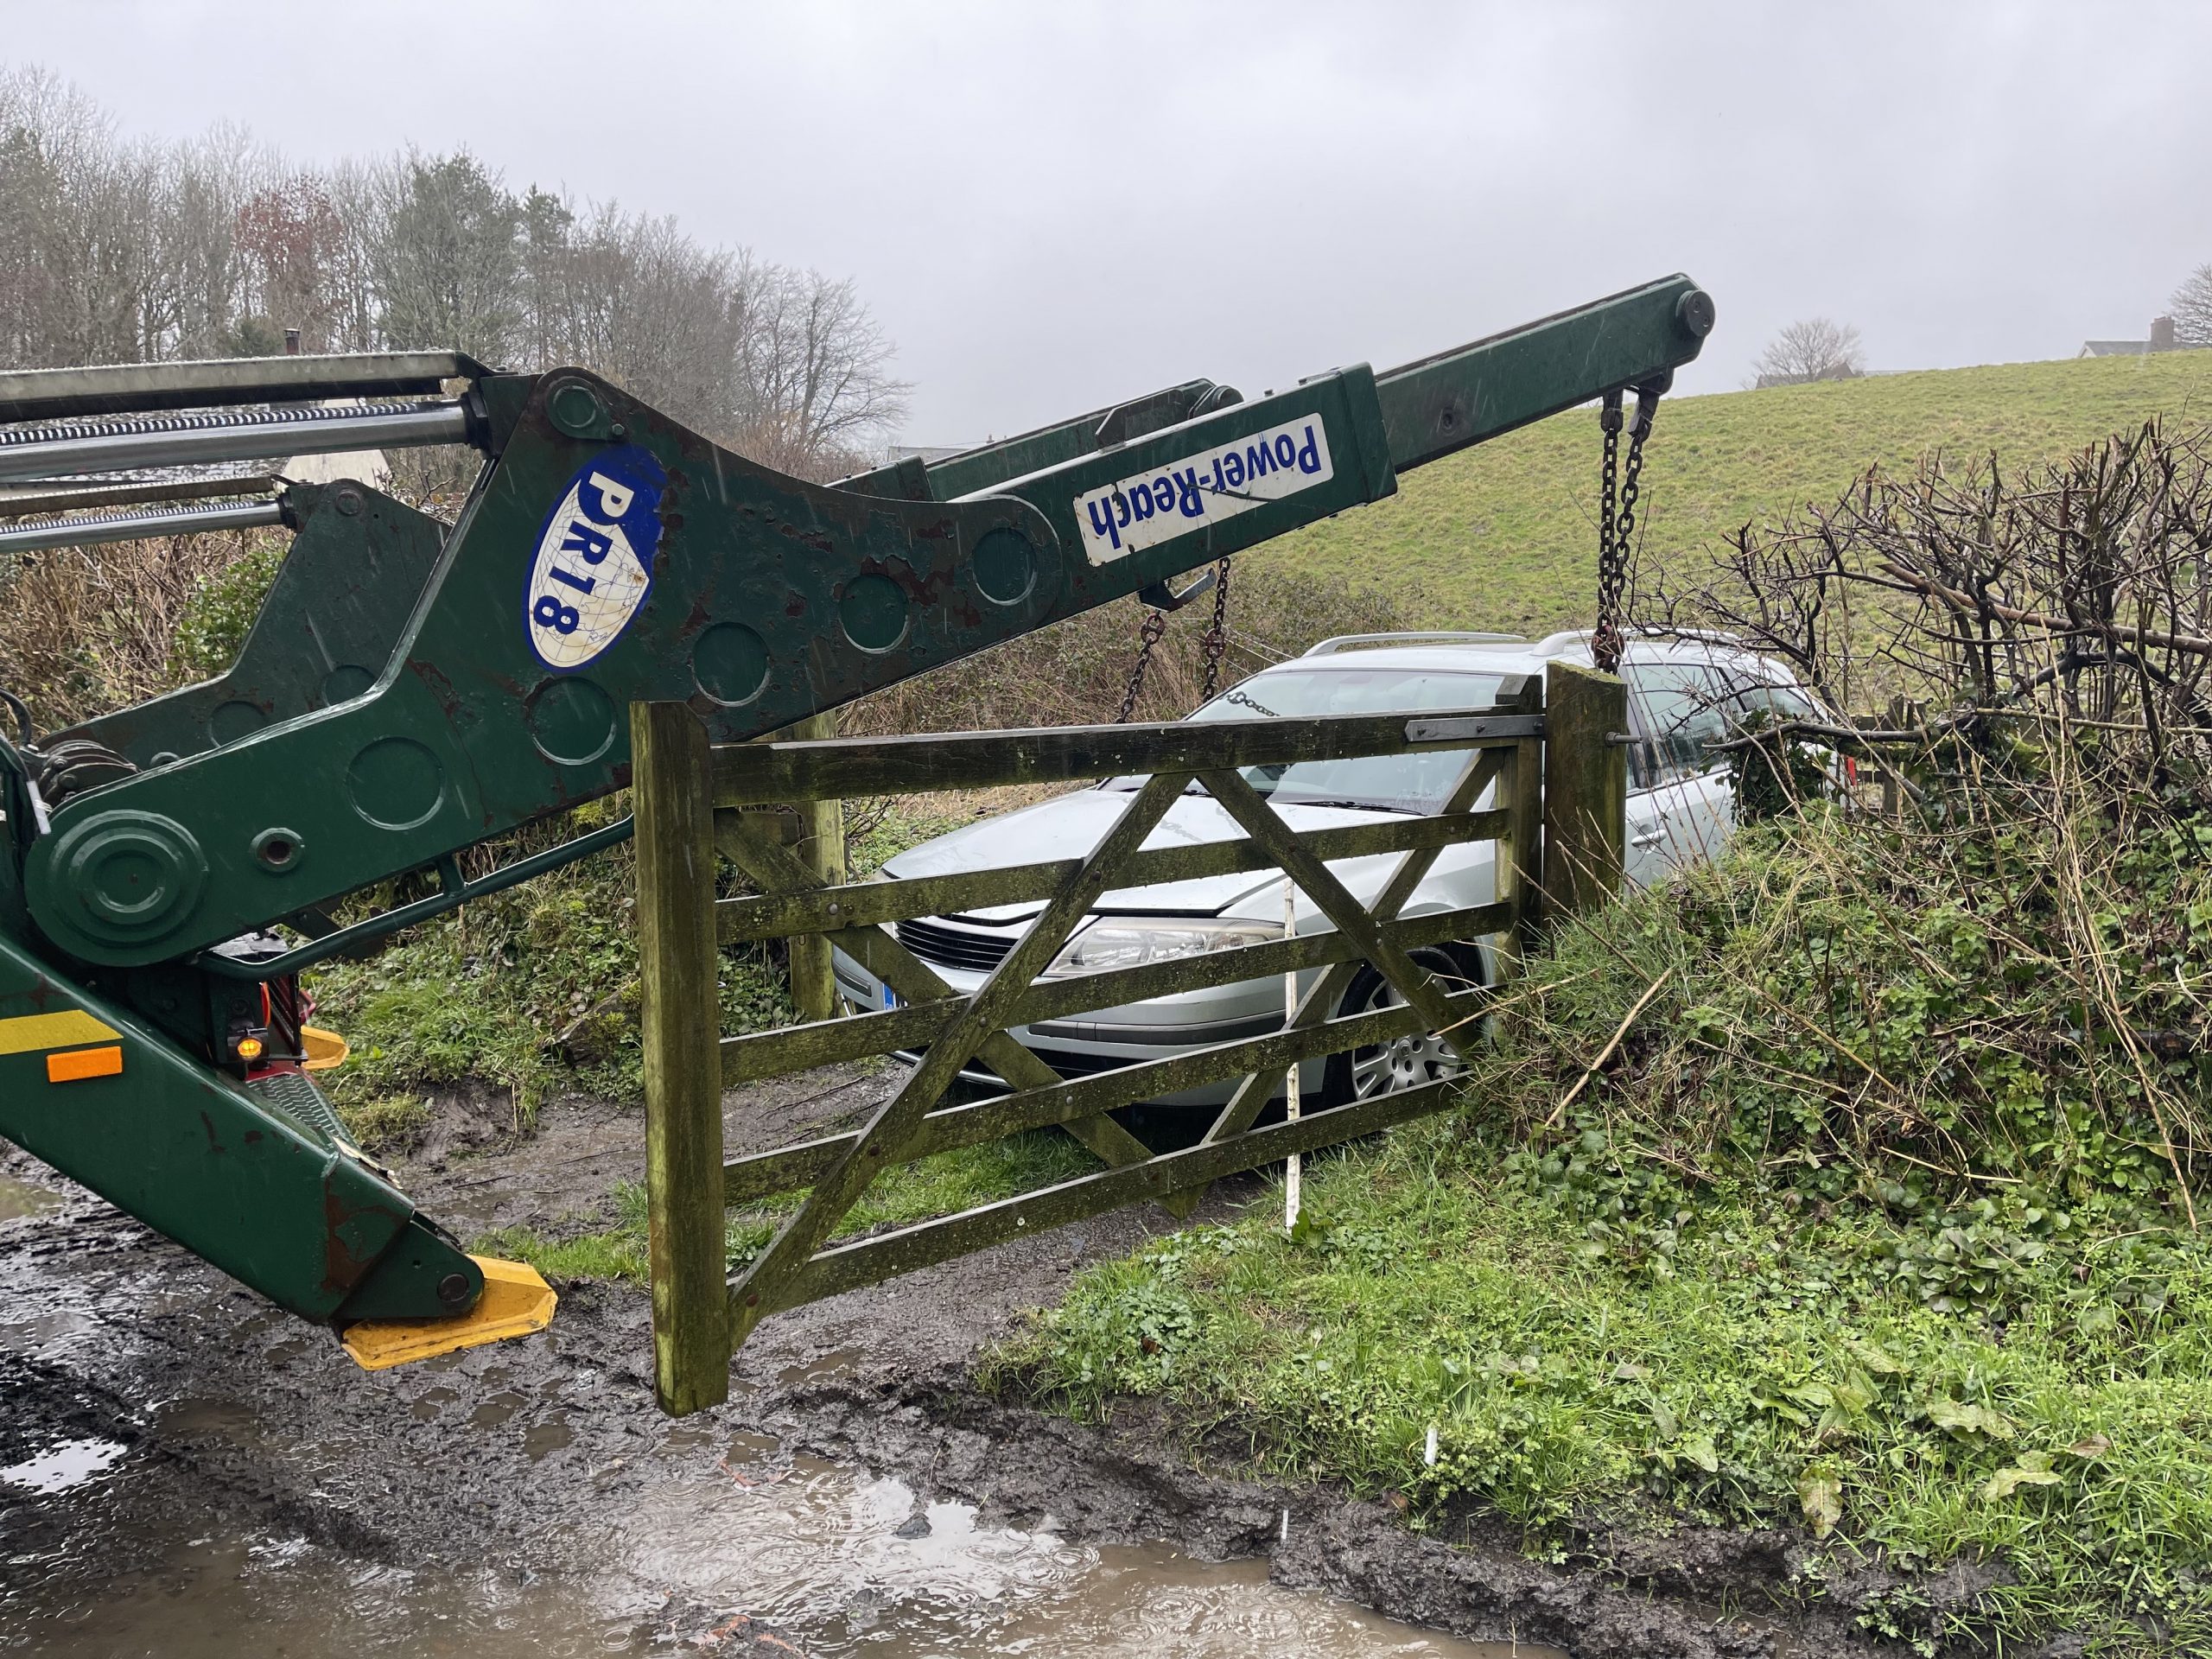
(324,633)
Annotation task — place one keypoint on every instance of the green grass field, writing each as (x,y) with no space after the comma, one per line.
(1505,535)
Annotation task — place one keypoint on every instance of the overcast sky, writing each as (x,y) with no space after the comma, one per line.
(1051,205)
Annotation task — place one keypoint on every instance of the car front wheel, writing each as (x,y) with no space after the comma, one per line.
(1401,1062)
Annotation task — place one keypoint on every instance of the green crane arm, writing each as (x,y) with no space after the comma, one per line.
(606,555)
(1432,407)
(759,599)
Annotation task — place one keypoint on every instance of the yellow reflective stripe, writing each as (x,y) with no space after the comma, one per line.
(28,1033)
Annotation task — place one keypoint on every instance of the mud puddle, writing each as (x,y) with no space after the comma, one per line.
(22,1198)
(186,1470)
(736,1551)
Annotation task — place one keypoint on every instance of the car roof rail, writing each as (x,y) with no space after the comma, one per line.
(1556,644)
(1329,647)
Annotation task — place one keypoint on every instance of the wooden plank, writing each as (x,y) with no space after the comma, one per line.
(850,1037)
(866,1261)
(798,1048)
(1586,786)
(891,962)
(747,772)
(763,1174)
(822,848)
(1321,999)
(868,904)
(1520,847)
(1245,804)
(893,1124)
(897,967)
(682,1059)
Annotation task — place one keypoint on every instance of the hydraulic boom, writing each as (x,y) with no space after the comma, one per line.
(409,692)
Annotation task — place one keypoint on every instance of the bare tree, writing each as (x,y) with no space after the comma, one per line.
(1812,348)
(2191,308)
(290,243)
(113,250)
(818,374)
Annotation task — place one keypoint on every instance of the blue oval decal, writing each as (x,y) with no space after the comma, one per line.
(594,562)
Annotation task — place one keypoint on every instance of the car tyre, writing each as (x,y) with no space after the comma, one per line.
(1405,1062)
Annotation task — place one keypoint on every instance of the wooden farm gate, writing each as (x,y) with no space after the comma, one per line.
(688,800)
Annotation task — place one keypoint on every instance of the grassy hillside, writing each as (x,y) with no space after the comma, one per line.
(1505,535)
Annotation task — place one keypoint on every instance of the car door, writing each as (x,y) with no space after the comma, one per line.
(1688,808)
(1644,859)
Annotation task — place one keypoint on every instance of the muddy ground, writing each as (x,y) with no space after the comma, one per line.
(510,1472)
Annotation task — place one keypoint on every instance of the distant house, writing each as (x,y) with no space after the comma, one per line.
(1841,372)
(2162,340)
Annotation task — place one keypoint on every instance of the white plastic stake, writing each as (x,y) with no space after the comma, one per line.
(1428,1451)
(1291,1170)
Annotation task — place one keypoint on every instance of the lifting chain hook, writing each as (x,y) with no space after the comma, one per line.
(1155,624)
(1215,640)
(1616,523)
(1212,645)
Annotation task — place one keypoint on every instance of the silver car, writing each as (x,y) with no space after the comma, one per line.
(1683,693)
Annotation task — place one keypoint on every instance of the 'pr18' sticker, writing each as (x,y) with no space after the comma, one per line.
(594,562)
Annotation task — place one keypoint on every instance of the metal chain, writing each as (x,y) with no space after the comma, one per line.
(1215,640)
(1612,565)
(1617,529)
(1647,408)
(1155,624)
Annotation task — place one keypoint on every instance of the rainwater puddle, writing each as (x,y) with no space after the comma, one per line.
(543,1440)
(61,1467)
(22,1198)
(838,1363)
(735,1542)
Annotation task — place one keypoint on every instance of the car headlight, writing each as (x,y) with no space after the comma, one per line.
(1133,941)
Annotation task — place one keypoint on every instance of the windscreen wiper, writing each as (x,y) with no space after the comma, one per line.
(1357,806)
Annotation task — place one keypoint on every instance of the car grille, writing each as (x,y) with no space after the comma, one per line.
(955,947)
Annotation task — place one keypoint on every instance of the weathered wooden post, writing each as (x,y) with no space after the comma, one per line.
(1521,851)
(1906,714)
(672,800)
(821,848)
(1586,786)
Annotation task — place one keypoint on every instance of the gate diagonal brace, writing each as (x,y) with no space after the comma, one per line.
(895,1125)
(1244,1106)
(778,871)
(1245,804)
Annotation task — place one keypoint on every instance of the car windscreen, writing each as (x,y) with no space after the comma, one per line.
(1388,782)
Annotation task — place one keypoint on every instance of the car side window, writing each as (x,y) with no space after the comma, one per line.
(1770,701)
(1680,708)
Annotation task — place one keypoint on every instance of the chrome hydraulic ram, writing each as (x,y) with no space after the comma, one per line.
(198,439)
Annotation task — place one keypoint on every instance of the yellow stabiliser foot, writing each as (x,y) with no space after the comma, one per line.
(326,1051)
(516,1301)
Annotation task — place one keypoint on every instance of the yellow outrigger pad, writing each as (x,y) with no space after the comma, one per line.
(326,1050)
(516,1301)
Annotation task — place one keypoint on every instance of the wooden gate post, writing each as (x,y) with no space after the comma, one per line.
(1520,860)
(822,848)
(672,799)
(1586,786)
